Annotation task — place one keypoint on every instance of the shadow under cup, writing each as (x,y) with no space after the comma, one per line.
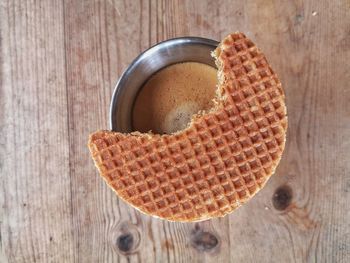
(172,51)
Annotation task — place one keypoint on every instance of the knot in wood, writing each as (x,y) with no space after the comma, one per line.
(126,239)
(282,197)
(204,241)
(125,242)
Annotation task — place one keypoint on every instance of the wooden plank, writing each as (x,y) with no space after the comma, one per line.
(300,40)
(97,50)
(303,37)
(34,164)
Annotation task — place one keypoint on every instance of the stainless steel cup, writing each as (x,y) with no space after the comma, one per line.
(163,54)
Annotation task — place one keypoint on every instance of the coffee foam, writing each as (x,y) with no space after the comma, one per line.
(172,96)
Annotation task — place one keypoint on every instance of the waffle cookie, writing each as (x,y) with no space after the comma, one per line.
(220,161)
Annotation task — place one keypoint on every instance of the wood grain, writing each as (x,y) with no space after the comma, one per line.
(35,181)
(59,63)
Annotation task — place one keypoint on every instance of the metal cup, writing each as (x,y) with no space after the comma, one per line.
(163,54)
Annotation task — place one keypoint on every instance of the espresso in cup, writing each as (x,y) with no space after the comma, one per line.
(169,98)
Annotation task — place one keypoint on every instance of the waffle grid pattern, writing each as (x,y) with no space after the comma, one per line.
(216,164)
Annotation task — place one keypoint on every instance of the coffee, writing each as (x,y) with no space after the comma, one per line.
(171,96)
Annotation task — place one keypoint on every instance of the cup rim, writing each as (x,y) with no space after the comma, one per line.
(149,51)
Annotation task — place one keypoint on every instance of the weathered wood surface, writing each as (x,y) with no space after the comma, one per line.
(59,62)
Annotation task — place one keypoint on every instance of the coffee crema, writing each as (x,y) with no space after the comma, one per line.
(168,100)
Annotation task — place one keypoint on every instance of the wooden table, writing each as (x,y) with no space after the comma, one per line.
(59,63)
